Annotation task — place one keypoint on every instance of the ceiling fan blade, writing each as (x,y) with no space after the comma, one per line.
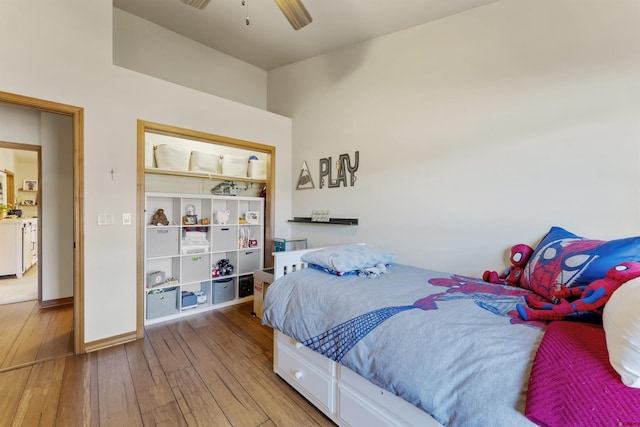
(295,12)
(198,4)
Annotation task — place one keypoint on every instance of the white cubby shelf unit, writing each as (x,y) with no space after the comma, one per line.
(183,257)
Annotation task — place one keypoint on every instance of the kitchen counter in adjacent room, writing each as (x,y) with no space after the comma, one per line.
(19,247)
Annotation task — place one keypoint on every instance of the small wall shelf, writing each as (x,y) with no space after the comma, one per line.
(332,221)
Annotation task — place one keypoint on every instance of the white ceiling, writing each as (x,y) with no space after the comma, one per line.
(269,41)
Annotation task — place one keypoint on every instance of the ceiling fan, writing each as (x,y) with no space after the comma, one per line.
(295,12)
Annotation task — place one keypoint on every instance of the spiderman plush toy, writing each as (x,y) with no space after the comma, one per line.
(520,255)
(590,300)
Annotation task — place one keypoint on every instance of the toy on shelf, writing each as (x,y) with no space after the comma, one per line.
(159,218)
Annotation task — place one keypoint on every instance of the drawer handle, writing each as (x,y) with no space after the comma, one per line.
(162,231)
(299,345)
(298,375)
(248,253)
(224,229)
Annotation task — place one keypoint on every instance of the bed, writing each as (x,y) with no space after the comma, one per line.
(415,347)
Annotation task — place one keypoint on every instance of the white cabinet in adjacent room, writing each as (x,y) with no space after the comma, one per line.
(19,246)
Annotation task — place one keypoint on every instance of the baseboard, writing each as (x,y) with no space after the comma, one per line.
(110,342)
(56,302)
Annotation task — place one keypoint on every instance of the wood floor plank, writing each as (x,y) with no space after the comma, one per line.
(248,324)
(151,385)
(12,384)
(210,369)
(118,404)
(32,334)
(169,352)
(78,404)
(58,337)
(167,415)
(13,318)
(263,388)
(231,396)
(39,403)
(195,400)
(226,333)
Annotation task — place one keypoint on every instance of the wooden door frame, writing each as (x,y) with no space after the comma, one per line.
(145,126)
(77,114)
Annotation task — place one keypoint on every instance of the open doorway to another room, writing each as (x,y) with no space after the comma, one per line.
(19,201)
(53,324)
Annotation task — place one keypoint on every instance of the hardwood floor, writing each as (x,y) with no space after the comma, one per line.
(211,369)
(29,334)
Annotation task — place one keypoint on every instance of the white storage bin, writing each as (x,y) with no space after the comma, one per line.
(257,169)
(235,166)
(162,241)
(248,261)
(195,268)
(172,157)
(224,238)
(205,162)
(162,303)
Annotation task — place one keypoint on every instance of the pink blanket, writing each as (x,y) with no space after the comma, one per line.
(573,384)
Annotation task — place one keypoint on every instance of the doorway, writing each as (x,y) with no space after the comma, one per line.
(20,278)
(77,117)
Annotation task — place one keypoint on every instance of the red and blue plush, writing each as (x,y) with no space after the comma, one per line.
(520,255)
(577,303)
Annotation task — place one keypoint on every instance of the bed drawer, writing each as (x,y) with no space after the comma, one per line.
(361,402)
(317,360)
(317,384)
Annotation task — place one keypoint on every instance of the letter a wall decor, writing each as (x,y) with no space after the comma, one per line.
(305,181)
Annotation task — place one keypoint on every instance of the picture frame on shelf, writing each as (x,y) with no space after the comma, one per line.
(190,219)
(30,185)
(252,217)
(320,216)
(29,202)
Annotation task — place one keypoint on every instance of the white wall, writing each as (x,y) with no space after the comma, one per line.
(7,160)
(475,132)
(61,50)
(150,49)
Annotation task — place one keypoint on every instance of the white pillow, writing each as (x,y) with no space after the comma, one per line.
(621,321)
(347,258)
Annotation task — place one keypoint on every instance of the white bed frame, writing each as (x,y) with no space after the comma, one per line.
(346,398)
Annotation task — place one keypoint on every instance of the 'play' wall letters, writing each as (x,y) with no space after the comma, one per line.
(343,165)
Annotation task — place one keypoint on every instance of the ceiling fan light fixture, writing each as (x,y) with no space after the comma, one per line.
(295,12)
(198,4)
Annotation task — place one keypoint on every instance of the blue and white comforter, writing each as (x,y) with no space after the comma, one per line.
(451,345)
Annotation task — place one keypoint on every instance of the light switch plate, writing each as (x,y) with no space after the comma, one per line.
(105,219)
(126,219)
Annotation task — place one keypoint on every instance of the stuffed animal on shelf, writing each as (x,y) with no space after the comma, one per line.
(159,218)
(520,255)
(590,300)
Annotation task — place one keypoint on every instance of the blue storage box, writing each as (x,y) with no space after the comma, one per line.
(189,300)
(223,290)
